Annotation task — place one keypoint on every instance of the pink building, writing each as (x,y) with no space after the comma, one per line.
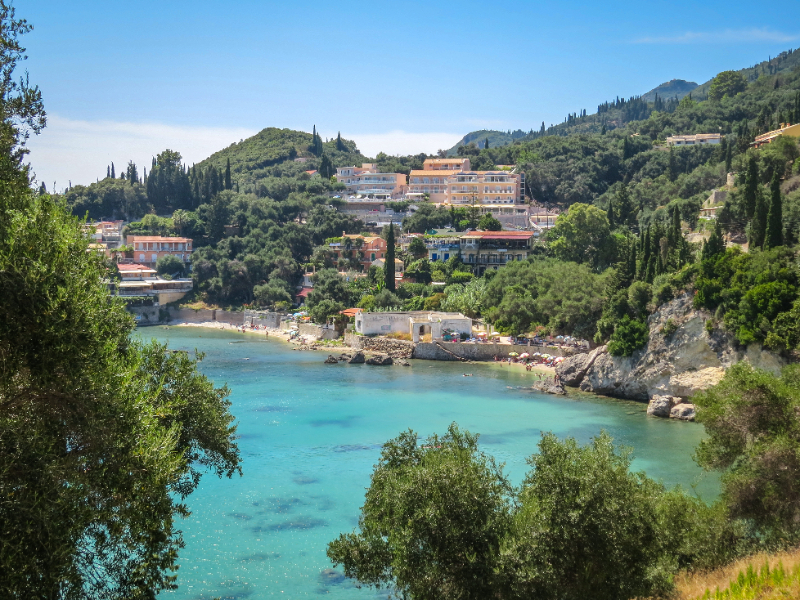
(147,249)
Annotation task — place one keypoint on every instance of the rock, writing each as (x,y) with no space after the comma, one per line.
(572,371)
(331,360)
(684,412)
(357,359)
(660,406)
(548,387)
(379,360)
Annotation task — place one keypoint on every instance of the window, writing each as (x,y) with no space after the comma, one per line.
(425,180)
(154,257)
(416,179)
(373,256)
(141,258)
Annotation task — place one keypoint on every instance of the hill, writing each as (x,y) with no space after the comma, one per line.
(496,138)
(675,88)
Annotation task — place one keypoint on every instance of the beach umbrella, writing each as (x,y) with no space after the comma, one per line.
(513,353)
(524,355)
(559,337)
(537,353)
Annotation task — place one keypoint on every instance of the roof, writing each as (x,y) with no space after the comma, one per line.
(791,129)
(303,292)
(434,173)
(367,239)
(123,268)
(350,312)
(158,238)
(445,160)
(500,235)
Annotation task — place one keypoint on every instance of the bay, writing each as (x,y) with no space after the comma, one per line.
(310,434)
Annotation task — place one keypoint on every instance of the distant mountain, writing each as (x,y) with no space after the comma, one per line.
(496,138)
(671,89)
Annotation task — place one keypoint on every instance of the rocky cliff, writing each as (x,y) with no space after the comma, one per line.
(681,358)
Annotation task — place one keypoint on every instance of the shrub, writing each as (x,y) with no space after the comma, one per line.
(629,335)
(669,328)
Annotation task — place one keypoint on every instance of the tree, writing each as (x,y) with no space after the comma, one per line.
(113,175)
(727,83)
(582,235)
(339,143)
(753,437)
(131,174)
(715,244)
(417,248)
(169,264)
(432,522)
(228,185)
(758,226)
(672,170)
(751,187)
(629,335)
(486,143)
(322,311)
(774,233)
(326,169)
(388,269)
(489,223)
(94,475)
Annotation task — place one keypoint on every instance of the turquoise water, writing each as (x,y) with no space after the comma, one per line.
(311,433)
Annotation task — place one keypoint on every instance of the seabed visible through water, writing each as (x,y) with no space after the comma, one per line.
(310,433)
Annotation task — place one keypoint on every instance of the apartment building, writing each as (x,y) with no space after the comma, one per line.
(452,181)
(785,129)
(483,250)
(147,249)
(360,249)
(366,181)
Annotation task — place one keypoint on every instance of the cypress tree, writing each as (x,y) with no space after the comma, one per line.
(672,172)
(728,158)
(758,226)
(486,143)
(610,213)
(113,176)
(751,188)
(339,143)
(108,171)
(624,206)
(715,244)
(388,267)
(228,174)
(774,234)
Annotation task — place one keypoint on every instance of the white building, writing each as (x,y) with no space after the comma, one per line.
(698,139)
(416,323)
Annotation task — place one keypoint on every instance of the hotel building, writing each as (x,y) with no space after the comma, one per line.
(368,182)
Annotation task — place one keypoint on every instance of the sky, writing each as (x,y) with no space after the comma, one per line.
(124,80)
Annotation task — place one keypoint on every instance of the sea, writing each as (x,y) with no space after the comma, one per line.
(310,434)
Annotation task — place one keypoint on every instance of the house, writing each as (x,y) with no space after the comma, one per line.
(141,280)
(698,139)
(415,323)
(785,129)
(368,182)
(451,181)
(483,250)
(357,248)
(399,267)
(147,249)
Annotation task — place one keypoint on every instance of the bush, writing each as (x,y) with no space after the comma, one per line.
(629,335)
(669,328)
(170,265)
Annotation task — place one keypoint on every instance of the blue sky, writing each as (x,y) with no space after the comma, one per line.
(123,80)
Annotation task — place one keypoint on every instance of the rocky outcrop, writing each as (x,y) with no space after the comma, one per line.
(678,361)
(380,360)
(394,348)
(548,387)
(357,359)
(684,412)
(660,406)
(331,360)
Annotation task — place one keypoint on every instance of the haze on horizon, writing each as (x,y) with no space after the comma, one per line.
(124,83)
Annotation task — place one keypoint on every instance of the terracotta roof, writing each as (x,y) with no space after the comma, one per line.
(350,312)
(303,293)
(133,267)
(501,235)
(434,173)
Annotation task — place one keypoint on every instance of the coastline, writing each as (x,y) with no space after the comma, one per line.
(276,334)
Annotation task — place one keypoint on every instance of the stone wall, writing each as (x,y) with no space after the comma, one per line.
(189,315)
(271,320)
(478,352)
(317,332)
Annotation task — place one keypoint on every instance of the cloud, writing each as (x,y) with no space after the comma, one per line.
(402,142)
(79,151)
(728,36)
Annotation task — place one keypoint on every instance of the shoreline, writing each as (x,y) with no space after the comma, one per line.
(536,369)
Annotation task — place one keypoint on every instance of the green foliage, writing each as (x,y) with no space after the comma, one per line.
(417,248)
(754,583)
(441,521)
(629,336)
(489,223)
(388,269)
(750,291)
(321,311)
(669,328)
(752,420)
(170,264)
(425,218)
(583,235)
(562,296)
(727,83)
(466,298)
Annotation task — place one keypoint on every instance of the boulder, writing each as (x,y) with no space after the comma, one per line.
(660,406)
(548,387)
(331,360)
(357,359)
(379,360)
(684,412)
(572,371)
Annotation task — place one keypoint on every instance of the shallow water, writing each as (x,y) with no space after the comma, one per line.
(310,434)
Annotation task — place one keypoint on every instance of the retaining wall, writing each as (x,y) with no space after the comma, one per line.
(316,331)
(432,351)
(205,315)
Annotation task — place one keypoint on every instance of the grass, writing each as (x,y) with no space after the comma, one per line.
(758,577)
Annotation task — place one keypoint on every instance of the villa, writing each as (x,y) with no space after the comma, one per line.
(415,323)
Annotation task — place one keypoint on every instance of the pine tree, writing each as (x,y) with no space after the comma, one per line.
(751,187)
(388,267)
(228,174)
(774,234)
(113,175)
